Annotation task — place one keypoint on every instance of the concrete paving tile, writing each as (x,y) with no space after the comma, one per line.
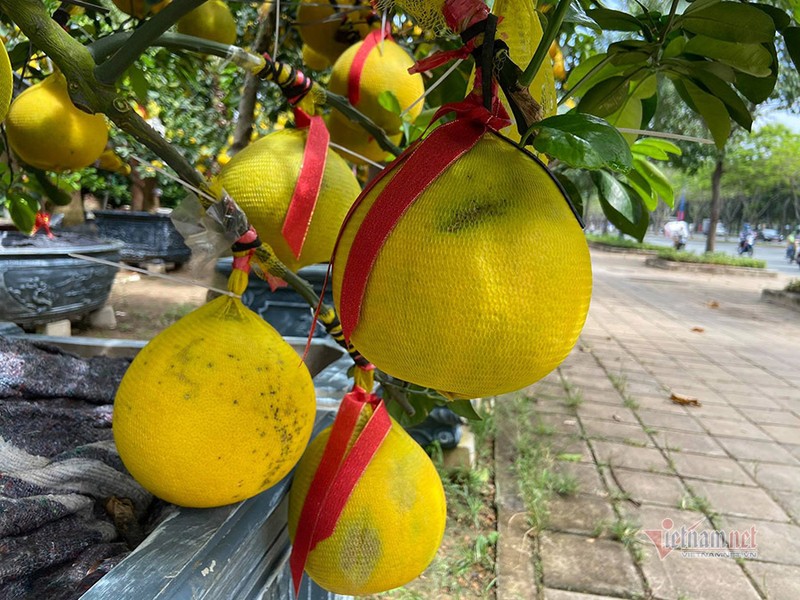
(557,423)
(677,421)
(660,403)
(794,450)
(697,578)
(740,429)
(790,501)
(688,442)
(583,564)
(568,446)
(737,500)
(650,518)
(716,411)
(750,400)
(579,513)
(652,488)
(621,455)
(775,477)
(785,435)
(586,474)
(779,582)
(776,542)
(603,411)
(601,429)
(753,450)
(551,594)
(772,417)
(724,470)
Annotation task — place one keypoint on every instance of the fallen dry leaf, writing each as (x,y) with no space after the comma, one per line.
(684,400)
(698,329)
(712,304)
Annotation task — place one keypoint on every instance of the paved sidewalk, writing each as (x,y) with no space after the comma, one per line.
(643,462)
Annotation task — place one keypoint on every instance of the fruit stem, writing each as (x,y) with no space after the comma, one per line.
(141,39)
(553,26)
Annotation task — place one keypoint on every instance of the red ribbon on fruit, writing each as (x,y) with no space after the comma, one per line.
(340,468)
(306,190)
(413,171)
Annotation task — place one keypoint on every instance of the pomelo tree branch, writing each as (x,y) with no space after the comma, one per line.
(142,38)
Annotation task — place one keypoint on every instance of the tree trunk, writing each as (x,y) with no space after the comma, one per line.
(143,195)
(716,178)
(247,103)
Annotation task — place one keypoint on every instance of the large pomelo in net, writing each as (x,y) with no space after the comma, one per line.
(214,409)
(391,526)
(357,142)
(483,285)
(262,179)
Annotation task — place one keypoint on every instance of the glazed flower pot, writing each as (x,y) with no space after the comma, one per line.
(147,237)
(40,283)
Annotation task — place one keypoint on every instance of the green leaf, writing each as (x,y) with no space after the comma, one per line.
(23,208)
(576,14)
(753,59)
(464,408)
(645,88)
(573,193)
(759,89)
(656,148)
(699,4)
(621,204)
(19,55)
(730,21)
(646,193)
(791,36)
(605,98)
(389,101)
(707,106)
(657,180)
(138,83)
(779,18)
(628,117)
(736,106)
(615,20)
(583,141)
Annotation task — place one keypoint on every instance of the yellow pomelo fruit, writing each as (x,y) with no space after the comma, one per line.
(386,69)
(329,30)
(140,8)
(483,285)
(211,20)
(6,82)
(314,60)
(356,139)
(215,409)
(48,132)
(390,528)
(262,177)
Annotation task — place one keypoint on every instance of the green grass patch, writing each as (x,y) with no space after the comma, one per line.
(711,258)
(793,286)
(621,242)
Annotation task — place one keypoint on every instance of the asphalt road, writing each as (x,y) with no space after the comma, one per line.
(772,252)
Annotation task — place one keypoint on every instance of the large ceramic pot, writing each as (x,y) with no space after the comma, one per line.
(41,283)
(147,236)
